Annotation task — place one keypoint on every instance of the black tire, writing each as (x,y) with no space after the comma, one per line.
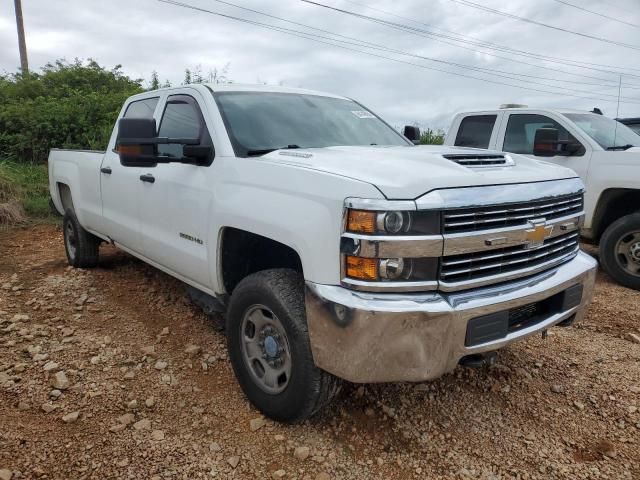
(623,234)
(81,246)
(309,388)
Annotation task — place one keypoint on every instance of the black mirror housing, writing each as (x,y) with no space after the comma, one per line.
(546,143)
(412,133)
(136,142)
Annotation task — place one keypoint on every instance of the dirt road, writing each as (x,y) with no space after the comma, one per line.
(112,373)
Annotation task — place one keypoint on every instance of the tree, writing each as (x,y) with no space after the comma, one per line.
(154,84)
(432,137)
(187,77)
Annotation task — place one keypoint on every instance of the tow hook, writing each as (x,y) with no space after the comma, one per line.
(479,360)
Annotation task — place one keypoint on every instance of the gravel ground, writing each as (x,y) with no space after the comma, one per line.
(112,373)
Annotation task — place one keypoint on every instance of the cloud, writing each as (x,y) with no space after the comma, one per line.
(148,35)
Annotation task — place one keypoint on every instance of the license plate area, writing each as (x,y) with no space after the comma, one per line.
(498,325)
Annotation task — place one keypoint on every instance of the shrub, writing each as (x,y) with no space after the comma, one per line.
(67,105)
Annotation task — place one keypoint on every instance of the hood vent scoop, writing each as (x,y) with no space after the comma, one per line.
(475,160)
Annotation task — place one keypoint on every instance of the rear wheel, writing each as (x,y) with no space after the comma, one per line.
(81,246)
(269,347)
(620,250)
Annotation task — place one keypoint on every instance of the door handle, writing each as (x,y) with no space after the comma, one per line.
(106,170)
(147,178)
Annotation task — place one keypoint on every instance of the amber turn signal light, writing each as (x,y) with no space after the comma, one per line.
(362,268)
(361,221)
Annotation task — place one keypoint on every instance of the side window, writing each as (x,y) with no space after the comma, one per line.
(521,132)
(142,108)
(181,119)
(475,131)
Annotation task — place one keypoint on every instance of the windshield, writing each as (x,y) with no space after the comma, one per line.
(606,131)
(259,122)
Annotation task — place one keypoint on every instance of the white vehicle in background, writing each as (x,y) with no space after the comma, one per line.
(605,154)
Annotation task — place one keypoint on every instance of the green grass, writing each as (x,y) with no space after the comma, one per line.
(29,184)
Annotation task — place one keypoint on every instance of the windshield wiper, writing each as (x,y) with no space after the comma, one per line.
(264,151)
(621,147)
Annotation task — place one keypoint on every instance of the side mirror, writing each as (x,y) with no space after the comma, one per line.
(412,133)
(545,143)
(136,143)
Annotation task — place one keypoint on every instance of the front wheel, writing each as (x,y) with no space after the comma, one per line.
(620,250)
(269,347)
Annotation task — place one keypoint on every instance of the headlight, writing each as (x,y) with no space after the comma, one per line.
(391,269)
(372,222)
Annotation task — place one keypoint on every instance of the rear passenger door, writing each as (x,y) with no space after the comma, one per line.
(120,187)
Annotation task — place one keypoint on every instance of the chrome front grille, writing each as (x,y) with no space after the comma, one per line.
(485,264)
(510,215)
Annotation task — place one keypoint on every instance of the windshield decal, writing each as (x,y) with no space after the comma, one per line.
(363,114)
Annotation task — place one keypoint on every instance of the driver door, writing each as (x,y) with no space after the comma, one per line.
(176,200)
(519,133)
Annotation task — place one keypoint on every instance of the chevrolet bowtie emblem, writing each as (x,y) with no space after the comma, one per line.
(538,234)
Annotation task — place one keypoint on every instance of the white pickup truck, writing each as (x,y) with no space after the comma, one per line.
(605,154)
(336,248)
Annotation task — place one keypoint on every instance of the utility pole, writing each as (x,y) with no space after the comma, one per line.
(24,64)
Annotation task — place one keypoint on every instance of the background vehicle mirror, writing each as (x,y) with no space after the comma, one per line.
(545,143)
(136,143)
(412,133)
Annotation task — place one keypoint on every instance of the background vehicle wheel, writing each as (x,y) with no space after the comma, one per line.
(269,348)
(81,246)
(620,250)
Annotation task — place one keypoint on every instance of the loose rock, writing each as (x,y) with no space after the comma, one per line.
(60,381)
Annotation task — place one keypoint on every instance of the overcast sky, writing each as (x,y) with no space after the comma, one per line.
(146,35)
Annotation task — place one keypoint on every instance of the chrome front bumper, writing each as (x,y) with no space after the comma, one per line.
(387,337)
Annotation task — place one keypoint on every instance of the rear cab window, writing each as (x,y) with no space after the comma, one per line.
(475,131)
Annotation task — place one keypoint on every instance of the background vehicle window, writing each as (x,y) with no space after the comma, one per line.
(475,131)
(141,108)
(521,132)
(181,119)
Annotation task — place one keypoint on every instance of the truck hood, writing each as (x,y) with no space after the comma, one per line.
(409,172)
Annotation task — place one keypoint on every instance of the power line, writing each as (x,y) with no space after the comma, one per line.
(467,3)
(578,7)
(370,45)
(503,48)
(427,34)
(340,44)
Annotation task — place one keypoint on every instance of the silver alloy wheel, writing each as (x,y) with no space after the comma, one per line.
(265,349)
(70,238)
(628,253)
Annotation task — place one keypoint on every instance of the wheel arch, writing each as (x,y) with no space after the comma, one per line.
(242,253)
(613,204)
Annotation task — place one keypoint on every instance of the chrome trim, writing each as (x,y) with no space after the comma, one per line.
(498,194)
(398,246)
(374,337)
(504,277)
(470,242)
(389,286)
(379,204)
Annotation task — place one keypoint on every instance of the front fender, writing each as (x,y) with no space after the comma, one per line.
(298,207)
